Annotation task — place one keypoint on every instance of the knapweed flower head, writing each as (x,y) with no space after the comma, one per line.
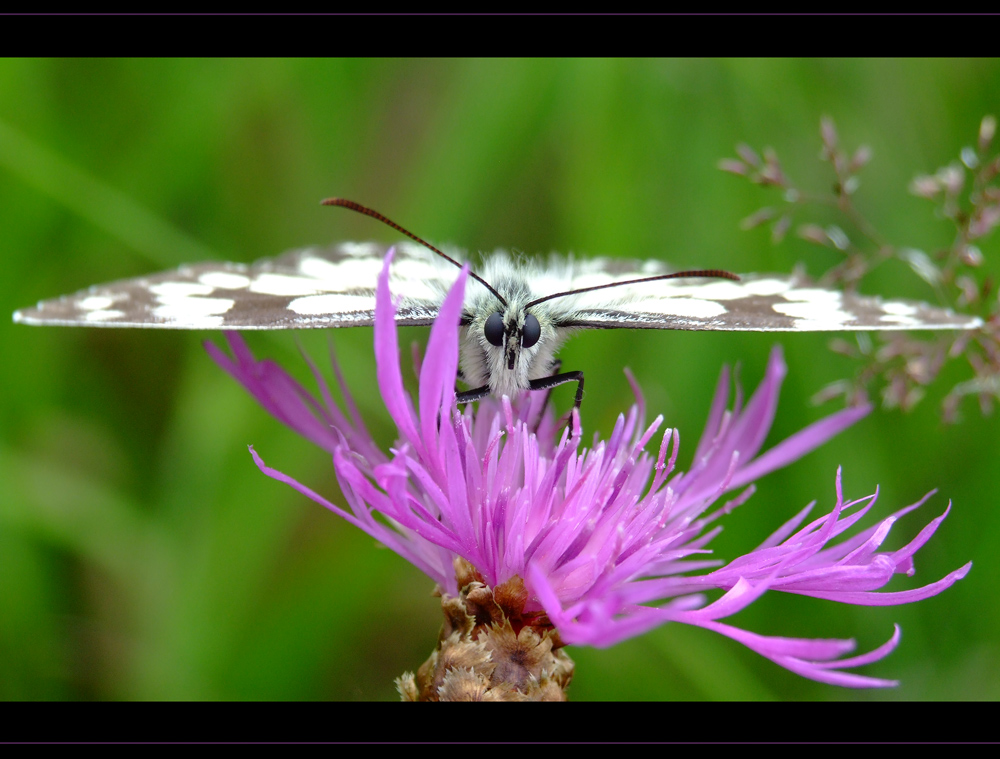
(547,542)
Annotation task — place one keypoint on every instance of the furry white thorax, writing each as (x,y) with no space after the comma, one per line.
(485,364)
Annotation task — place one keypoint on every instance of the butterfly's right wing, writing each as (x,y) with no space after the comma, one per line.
(756,303)
(312,287)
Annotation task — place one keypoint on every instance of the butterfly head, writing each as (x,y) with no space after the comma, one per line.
(512,334)
(506,345)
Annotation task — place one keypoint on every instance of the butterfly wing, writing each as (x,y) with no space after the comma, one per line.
(756,303)
(312,287)
(335,287)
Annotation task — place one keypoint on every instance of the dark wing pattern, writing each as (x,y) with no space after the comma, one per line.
(757,303)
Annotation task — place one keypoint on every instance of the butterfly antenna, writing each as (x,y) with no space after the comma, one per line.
(708,273)
(343,203)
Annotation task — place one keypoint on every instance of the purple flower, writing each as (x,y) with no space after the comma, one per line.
(609,540)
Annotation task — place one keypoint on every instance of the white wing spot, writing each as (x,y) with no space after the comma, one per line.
(224,280)
(694,308)
(720,290)
(96,303)
(899,309)
(411,269)
(165,291)
(102,315)
(726,289)
(815,295)
(816,316)
(362,250)
(766,287)
(194,311)
(421,290)
(359,273)
(284,284)
(332,304)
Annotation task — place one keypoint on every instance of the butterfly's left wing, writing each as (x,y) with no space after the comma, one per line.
(312,287)
(757,303)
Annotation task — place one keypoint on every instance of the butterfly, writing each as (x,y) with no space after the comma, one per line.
(517,313)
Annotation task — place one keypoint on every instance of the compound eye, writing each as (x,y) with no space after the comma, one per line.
(494,329)
(531,332)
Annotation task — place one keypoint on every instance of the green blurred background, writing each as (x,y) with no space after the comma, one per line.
(142,555)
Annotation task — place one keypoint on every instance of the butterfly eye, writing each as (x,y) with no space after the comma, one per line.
(531,332)
(494,329)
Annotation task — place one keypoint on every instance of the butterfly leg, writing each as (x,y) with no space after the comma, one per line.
(554,369)
(468,396)
(547,383)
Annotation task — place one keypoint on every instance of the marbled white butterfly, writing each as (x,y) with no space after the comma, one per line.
(517,312)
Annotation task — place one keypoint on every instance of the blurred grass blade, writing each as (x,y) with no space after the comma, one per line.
(102,205)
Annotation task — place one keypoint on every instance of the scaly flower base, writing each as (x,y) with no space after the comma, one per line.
(489,650)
